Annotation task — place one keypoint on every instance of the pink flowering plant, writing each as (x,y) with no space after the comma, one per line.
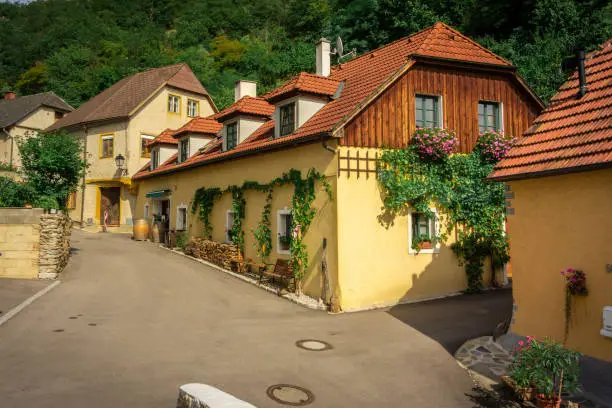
(493,145)
(575,281)
(434,143)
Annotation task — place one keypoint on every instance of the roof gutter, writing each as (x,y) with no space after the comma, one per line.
(280,146)
(547,173)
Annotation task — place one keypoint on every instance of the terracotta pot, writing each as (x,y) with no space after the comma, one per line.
(546,401)
(425,245)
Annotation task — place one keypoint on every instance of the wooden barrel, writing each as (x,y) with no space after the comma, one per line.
(141,229)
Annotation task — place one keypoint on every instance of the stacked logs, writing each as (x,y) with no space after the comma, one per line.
(54,245)
(217,253)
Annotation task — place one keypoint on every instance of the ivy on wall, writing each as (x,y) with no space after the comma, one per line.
(475,209)
(304,194)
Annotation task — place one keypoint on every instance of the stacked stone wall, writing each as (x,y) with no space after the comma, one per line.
(54,244)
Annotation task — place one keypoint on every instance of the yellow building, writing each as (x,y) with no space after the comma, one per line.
(21,117)
(336,122)
(121,121)
(559,180)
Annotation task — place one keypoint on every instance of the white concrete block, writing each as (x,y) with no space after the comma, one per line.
(196,395)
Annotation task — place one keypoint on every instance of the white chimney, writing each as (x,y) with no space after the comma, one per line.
(323,57)
(244,88)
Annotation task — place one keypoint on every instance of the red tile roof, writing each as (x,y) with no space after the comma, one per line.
(363,77)
(572,134)
(246,105)
(164,137)
(200,125)
(304,83)
(120,100)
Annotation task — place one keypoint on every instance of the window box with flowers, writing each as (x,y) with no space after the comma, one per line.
(284,242)
(575,285)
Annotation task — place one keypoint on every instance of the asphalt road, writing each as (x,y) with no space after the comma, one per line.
(131,322)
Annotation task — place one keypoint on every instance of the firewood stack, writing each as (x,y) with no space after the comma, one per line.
(214,252)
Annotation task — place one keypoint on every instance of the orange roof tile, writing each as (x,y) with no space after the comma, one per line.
(362,76)
(572,134)
(200,125)
(164,137)
(306,83)
(246,105)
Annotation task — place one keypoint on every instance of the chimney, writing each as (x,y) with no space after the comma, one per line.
(244,88)
(323,57)
(582,90)
(9,95)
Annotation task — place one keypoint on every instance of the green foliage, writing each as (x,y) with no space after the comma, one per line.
(181,240)
(7,167)
(303,196)
(52,164)
(16,194)
(474,208)
(545,365)
(45,48)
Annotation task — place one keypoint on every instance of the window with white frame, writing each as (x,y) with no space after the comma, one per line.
(229,224)
(145,151)
(174,103)
(154,159)
(181,218)
(183,149)
(428,113)
(285,230)
(489,116)
(422,230)
(146,211)
(192,108)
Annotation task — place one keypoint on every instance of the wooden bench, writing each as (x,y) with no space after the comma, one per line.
(282,270)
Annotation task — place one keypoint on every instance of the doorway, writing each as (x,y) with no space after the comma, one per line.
(110,202)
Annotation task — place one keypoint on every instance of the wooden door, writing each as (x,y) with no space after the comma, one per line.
(109,202)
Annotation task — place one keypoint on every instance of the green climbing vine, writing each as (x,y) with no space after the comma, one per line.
(475,209)
(302,212)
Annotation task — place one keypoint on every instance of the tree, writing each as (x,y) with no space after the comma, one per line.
(52,165)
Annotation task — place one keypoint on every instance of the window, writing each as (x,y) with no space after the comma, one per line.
(287,119)
(106,145)
(229,224)
(183,149)
(146,211)
(145,151)
(193,108)
(174,104)
(488,116)
(284,234)
(154,159)
(422,233)
(427,111)
(58,115)
(181,218)
(231,136)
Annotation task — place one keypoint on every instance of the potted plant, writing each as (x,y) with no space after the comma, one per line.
(521,371)
(575,285)
(422,242)
(284,241)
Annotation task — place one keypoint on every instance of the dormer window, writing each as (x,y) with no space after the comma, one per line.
(287,119)
(154,159)
(183,153)
(231,136)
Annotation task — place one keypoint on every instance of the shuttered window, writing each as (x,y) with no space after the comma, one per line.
(427,111)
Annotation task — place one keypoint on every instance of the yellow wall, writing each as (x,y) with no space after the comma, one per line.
(261,168)
(562,222)
(150,119)
(376,267)
(41,118)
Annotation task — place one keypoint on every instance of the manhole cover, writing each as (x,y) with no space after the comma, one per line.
(293,395)
(313,345)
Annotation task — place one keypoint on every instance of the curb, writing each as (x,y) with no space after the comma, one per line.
(290,297)
(14,311)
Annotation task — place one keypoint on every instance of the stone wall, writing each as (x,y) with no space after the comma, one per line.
(33,244)
(54,244)
(213,252)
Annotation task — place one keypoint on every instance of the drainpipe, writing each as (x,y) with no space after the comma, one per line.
(12,142)
(326,146)
(83,184)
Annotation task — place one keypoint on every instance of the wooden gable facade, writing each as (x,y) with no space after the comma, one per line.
(389,120)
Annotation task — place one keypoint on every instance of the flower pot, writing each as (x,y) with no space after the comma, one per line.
(524,393)
(284,247)
(547,401)
(425,245)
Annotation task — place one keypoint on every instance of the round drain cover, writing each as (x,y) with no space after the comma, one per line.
(292,395)
(313,345)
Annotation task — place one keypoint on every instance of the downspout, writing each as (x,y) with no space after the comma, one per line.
(83,184)
(326,146)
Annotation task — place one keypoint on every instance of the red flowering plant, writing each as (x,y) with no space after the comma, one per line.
(493,145)
(434,143)
(575,280)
